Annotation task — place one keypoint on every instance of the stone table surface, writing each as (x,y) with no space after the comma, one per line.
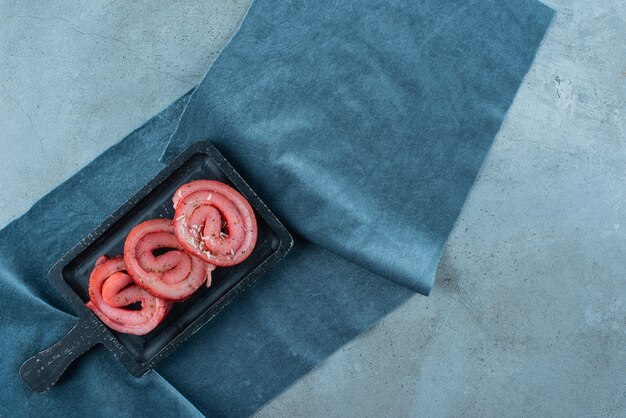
(528,314)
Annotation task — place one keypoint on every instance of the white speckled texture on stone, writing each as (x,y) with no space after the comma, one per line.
(528,314)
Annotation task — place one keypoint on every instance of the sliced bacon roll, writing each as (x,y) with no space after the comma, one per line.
(214,222)
(111,290)
(174,274)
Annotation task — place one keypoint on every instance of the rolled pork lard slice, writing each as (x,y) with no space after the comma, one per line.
(214,222)
(174,274)
(111,290)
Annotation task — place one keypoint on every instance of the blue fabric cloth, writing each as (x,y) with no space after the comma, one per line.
(362,124)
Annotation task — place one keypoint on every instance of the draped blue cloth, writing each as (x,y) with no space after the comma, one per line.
(362,124)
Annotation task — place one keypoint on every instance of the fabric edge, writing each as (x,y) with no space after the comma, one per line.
(169,152)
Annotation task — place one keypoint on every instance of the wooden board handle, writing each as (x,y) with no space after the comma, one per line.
(42,371)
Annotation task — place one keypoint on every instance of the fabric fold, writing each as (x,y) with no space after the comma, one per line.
(365,123)
(303,310)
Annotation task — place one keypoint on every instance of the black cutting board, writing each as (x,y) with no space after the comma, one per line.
(140,353)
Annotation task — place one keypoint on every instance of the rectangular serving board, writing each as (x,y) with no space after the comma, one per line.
(140,353)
